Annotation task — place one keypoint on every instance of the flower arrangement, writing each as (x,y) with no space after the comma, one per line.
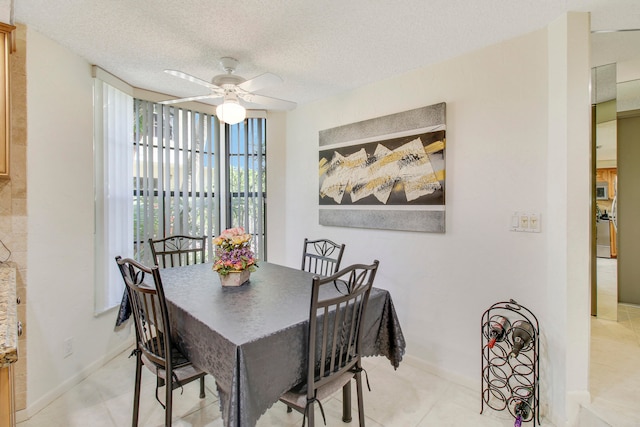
(233,252)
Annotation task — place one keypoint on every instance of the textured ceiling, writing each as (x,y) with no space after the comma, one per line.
(319,48)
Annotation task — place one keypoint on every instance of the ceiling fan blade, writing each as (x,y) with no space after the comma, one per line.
(194,79)
(259,82)
(267,101)
(191,98)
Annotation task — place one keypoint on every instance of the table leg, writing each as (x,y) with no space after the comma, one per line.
(346,403)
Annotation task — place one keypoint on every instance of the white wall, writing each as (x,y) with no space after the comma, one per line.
(276,186)
(497,162)
(569,201)
(60,224)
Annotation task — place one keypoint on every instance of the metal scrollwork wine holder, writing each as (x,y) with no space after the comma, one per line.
(510,365)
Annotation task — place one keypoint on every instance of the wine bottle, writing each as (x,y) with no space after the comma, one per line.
(522,333)
(498,326)
(523,408)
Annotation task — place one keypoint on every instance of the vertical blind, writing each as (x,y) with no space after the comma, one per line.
(175,167)
(162,170)
(247,180)
(113,115)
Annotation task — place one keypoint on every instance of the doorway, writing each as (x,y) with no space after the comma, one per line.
(613,372)
(605,173)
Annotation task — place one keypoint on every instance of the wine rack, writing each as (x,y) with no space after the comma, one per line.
(511,381)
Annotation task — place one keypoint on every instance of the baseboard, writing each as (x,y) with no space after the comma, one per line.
(442,373)
(590,418)
(576,400)
(65,386)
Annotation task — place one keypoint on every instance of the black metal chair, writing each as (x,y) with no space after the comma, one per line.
(321,256)
(338,304)
(174,251)
(154,347)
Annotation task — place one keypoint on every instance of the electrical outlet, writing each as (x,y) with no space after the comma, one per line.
(68,347)
(534,222)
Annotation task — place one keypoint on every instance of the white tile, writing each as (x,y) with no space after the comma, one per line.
(401,397)
(451,413)
(277,415)
(617,414)
(589,418)
(615,371)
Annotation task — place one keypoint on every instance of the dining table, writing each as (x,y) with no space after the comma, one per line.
(253,338)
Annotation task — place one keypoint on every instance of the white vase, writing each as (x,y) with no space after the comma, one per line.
(235,278)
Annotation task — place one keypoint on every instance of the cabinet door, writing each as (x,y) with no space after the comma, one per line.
(613,175)
(6,398)
(5,32)
(613,240)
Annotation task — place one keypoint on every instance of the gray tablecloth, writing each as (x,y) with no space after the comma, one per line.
(252,338)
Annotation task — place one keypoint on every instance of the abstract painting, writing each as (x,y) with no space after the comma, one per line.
(387,172)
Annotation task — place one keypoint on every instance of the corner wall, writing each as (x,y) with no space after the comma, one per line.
(276,186)
(569,203)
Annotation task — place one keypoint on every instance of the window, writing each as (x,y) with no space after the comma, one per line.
(175,164)
(186,174)
(112,187)
(179,162)
(246,148)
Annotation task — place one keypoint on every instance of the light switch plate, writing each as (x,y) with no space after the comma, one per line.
(534,222)
(523,221)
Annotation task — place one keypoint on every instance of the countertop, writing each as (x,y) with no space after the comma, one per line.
(8,317)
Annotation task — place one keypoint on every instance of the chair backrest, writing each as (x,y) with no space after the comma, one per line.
(174,251)
(321,256)
(149,308)
(338,303)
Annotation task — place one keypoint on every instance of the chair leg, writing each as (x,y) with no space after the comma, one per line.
(168,401)
(346,403)
(136,391)
(201,387)
(311,415)
(360,399)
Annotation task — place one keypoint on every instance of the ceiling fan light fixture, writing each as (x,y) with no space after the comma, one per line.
(230,111)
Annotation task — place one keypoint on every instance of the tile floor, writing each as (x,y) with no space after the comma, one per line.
(407,397)
(615,368)
(614,376)
(607,288)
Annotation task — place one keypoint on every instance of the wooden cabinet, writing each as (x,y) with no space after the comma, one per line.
(8,343)
(613,240)
(5,35)
(613,176)
(608,175)
(7,410)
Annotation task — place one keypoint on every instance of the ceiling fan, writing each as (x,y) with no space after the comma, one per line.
(230,91)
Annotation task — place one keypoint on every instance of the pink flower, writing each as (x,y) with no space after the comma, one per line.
(233,251)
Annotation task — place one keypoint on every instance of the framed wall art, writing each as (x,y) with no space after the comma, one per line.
(385,173)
